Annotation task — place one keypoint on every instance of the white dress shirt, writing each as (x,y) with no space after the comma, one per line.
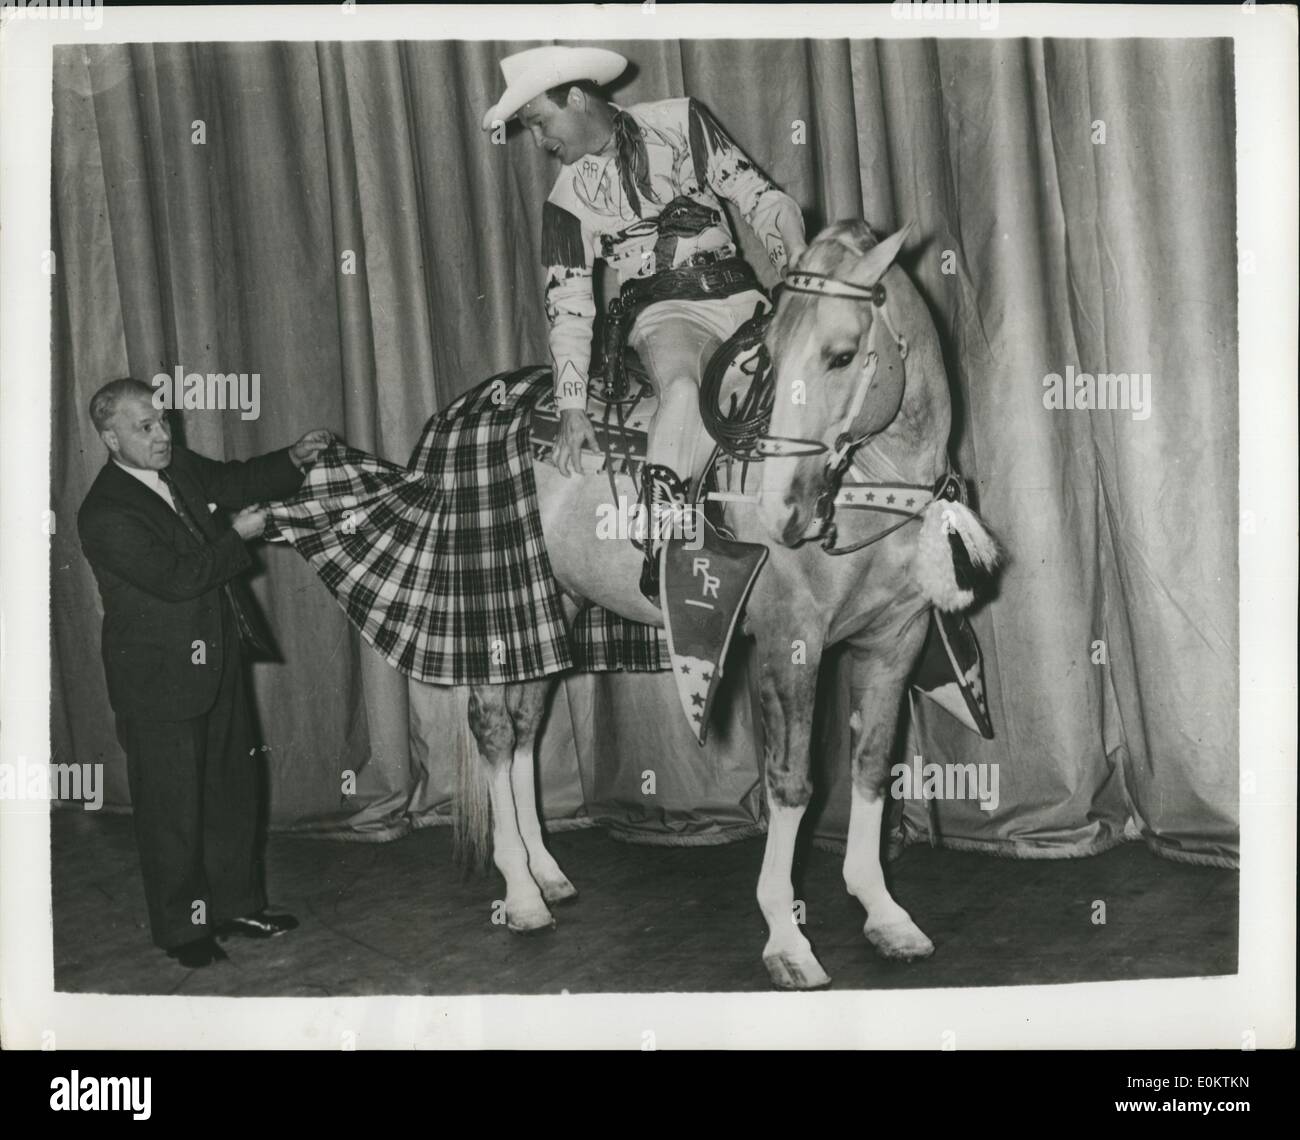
(150,479)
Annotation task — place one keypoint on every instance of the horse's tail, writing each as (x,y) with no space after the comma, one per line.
(955,554)
(471,833)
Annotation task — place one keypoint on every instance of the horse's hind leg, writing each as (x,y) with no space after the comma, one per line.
(879,676)
(787,692)
(527,702)
(492,724)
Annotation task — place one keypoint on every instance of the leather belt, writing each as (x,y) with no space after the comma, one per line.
(722,278)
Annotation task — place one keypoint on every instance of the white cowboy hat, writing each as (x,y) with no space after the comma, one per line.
(529,73)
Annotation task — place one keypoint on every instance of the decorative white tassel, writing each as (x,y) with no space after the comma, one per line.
(981,547)
(932,564)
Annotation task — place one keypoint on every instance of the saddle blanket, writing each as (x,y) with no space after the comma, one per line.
(441,565)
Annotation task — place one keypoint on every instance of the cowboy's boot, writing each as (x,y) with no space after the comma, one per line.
(663,502)
(699,579)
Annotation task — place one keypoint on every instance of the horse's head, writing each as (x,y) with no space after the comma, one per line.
(839,369)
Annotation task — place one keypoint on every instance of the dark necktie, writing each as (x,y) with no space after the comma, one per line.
(248,633)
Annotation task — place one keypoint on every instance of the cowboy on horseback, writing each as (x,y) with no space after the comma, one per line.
(453,568)
(640,189)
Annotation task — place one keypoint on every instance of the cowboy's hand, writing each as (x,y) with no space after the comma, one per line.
(575,430)
(304,452)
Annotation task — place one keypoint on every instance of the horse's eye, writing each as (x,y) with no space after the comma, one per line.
(840,360)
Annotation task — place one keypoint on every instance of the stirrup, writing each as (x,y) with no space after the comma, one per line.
(664,510)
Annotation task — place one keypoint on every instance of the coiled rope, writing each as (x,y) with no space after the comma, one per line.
(738,428)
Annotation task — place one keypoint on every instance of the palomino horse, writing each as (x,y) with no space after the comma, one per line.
(866,384)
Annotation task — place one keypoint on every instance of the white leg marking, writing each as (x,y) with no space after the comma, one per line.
(525,909)
(545,870)
(788,957)
(889,927)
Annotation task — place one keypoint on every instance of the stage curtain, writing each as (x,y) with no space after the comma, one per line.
(331,217)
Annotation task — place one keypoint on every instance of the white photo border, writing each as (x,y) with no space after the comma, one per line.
(1256,1006)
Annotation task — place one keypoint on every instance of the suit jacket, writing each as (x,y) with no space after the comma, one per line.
(160,586)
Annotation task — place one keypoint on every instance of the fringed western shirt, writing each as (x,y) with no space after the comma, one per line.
(601,204)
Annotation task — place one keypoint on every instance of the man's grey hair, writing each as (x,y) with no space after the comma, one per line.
(103,404)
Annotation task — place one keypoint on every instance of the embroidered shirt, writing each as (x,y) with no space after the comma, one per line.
(599,210)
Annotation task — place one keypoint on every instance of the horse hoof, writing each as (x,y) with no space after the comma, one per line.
(534,920)
(790,972)
(558,893)
(901,941)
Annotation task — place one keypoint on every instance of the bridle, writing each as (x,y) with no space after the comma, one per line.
(740,430)
(788,447)
(840,457)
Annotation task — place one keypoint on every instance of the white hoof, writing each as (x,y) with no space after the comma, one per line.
(902,940)
(533,918)
(793,970)
(559,890)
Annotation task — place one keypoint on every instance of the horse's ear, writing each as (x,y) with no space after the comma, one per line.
(880,257)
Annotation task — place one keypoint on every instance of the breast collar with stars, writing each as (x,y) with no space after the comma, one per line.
(856,493)
(906,500)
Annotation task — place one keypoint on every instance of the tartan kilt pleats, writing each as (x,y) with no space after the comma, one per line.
(441,565)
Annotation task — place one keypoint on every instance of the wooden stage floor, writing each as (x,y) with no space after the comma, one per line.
(397,918)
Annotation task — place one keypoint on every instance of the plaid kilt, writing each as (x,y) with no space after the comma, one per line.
(441,565)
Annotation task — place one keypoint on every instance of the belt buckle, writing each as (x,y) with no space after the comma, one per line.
(705,285)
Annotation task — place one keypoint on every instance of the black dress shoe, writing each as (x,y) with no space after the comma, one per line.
(260,925)
(197,954)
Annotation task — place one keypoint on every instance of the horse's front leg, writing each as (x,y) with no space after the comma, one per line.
(527,703)
(880,671)
(491,722)
(787,690)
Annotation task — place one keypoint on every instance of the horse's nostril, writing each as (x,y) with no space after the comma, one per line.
(793,529)
(797,491)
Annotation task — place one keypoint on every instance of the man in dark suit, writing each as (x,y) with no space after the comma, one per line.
(173,621)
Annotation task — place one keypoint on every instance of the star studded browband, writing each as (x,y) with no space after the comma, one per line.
(819,284)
